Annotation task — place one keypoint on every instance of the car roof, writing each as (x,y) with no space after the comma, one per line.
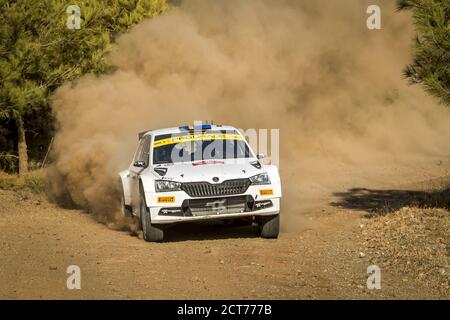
(178,130)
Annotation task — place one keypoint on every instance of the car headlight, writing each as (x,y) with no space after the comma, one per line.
(166,186)
(259,179)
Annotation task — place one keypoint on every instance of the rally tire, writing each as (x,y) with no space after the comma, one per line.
(150,232)
(269,226)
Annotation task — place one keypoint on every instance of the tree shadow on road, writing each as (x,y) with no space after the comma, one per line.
(376,202)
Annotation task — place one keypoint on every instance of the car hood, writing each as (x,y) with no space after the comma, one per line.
(207,170)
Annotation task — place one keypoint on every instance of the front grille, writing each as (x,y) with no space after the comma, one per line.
(206,189)
(216,206)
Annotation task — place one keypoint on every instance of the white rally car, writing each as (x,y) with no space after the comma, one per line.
(198,173)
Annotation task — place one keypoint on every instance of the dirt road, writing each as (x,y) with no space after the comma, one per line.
(321,258)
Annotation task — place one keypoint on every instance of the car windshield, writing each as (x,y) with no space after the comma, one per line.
(211,145)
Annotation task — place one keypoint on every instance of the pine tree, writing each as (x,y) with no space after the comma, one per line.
(431,64)
(38,52)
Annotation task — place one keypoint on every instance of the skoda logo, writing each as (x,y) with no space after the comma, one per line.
(215,179)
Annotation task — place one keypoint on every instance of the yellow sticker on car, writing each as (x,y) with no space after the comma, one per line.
(266,192)
(197,137)
(166,199)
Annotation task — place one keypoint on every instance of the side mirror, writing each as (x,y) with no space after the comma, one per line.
(140,164)
(260,156)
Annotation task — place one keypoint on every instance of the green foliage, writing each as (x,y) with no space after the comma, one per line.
(33,181)
(38,52)
(431,65)
(8,162)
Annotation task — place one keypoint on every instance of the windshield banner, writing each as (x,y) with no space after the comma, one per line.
(197,137)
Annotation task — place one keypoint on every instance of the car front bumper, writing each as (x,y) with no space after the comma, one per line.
(157,218)
(166,208)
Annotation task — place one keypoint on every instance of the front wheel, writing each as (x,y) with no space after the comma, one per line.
(151,233)
(269,226)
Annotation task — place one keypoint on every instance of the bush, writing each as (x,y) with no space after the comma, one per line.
(9,162)
(33,181)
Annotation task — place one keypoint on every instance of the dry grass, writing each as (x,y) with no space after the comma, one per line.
(414,241)
(33,181)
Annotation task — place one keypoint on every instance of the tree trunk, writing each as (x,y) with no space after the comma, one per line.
(22,148)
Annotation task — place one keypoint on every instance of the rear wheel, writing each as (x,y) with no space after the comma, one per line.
(151,233)
(269,226)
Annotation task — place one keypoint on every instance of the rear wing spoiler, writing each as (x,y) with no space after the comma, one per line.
(141,134)
(201,127)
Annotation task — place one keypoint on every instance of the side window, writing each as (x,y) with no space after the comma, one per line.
(144,156)
(138,151)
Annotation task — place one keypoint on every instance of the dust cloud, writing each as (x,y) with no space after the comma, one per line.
(310,68)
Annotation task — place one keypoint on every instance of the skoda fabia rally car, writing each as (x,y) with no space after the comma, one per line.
(199,173)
